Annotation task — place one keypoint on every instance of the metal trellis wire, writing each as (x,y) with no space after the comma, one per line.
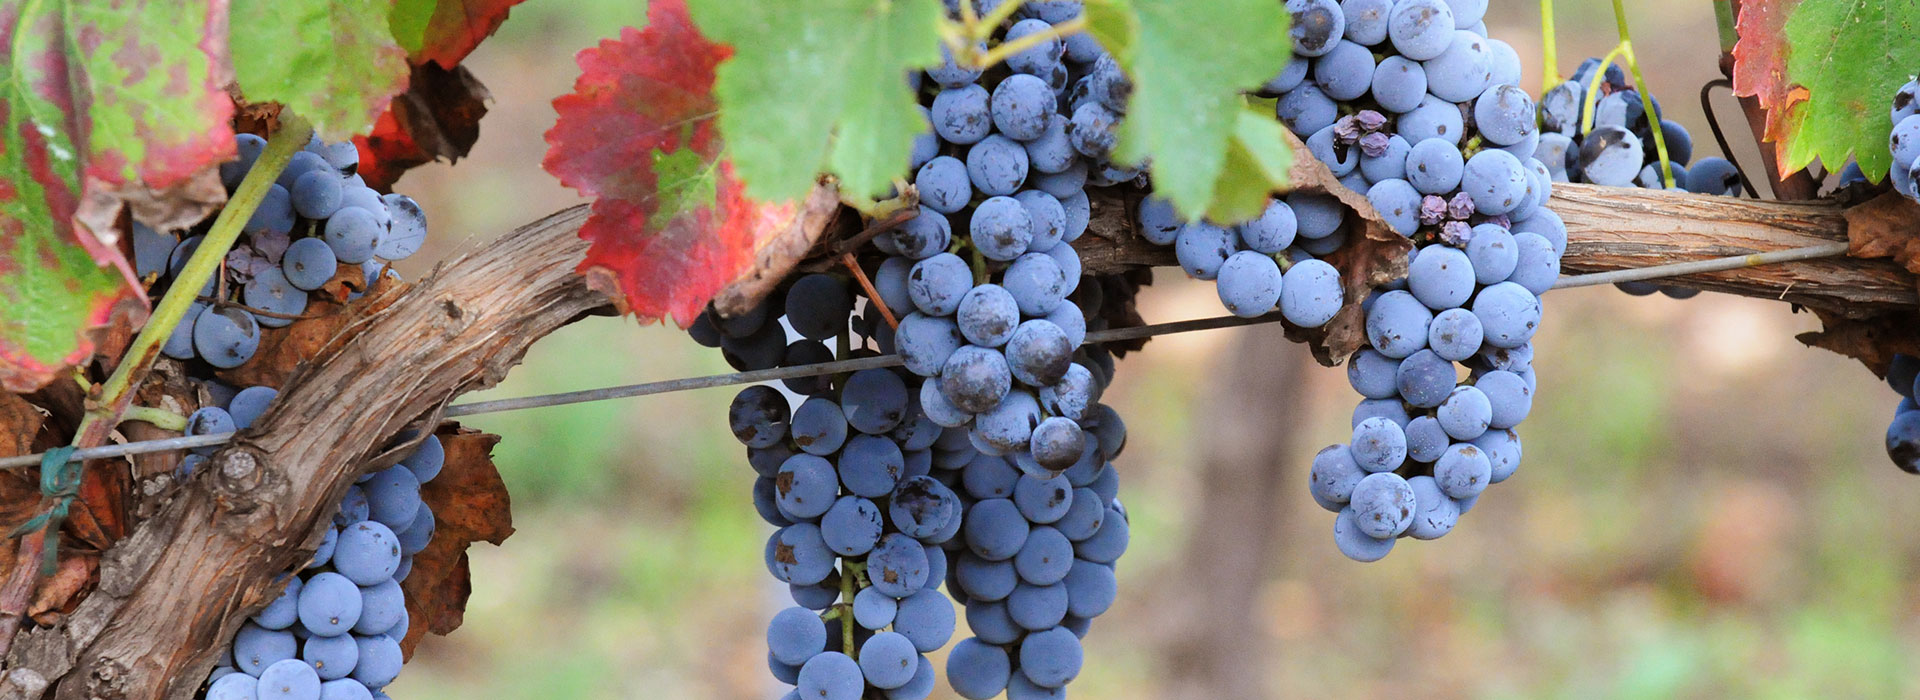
(854,365)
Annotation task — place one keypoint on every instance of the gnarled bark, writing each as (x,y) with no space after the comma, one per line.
(179,586)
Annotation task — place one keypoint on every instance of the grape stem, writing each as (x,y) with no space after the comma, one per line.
(860,276)
(113,395)
(982,29)
(1624,52)
(1549,53)
(1593,88)
(160,418)
(1009,48)
(848,587)
(1646,97)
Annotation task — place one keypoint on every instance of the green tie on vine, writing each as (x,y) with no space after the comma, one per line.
(60,481)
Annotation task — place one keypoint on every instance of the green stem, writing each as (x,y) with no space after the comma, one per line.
(979,263)
(116,392)
(1009,48)
(160,418)
(983,29)
(848,587)
(1728,24)
(1549,52)
(1593,88)
(1646,97)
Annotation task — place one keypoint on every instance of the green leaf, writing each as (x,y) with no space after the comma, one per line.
(103,104)
(1850,56)
(819,85)
(1112,23)
(1257,158)
(1190,62)
(332,61)
(52,297)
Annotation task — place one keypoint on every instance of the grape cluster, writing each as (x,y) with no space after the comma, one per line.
(845,477)
(982,274)
(989,448)
(1905,141)
(870,495)
(318,216)
(1409,102)
(335,633)
(1903,434)
(1619,150)
(1035,563)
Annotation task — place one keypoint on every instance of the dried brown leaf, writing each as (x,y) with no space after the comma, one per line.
(1376,256)
(73,578)
(283,349)
(1886,227)
(470,504)
(1873,340)
(437,117)
(782,251)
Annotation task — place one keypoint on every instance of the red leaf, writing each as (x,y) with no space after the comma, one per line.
(458,26)
(1760,64)
(672,224)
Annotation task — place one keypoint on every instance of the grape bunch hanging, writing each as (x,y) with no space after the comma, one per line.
(318,235)
(1412,104)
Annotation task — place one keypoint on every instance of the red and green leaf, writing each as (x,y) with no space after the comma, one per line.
(100,112)
(439,114)
(333,62)
(1826,71)
(671,222)
(445,31)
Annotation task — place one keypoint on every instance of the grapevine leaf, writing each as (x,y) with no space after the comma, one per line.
(1257,157)
(101,114)
(1112,23)
(1760,61)
(437,117)
(1826,73)
(72,579)
(445,31)
(1190,63)
(470,504)
(1872,340)
(672,223)
(819,85)
(332,61)
(53,297)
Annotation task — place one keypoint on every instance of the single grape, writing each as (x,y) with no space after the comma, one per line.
(1249,284)
(943,184)
(1020,106)
(1310,293)
(1399,83)
(962,115)
(1383,505)
(1202,248)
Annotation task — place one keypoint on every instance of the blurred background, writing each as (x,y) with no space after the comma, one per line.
(1704,510)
